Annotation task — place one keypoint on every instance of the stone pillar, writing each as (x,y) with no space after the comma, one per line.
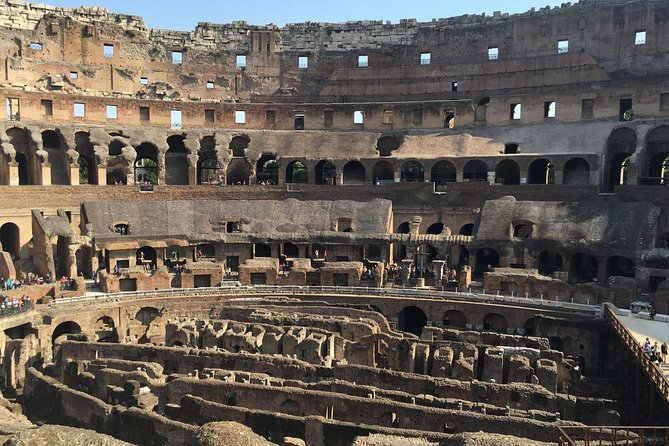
(493,365)
(74,174)
(558,177)
(398,176)
(311,172)
(102,174)
(405,270)
(414,224)
(466,277)
(438,266)
(281,173)
(491,176)
(602,270)
(13,173)
(459,176)
(161,167)
(46,173)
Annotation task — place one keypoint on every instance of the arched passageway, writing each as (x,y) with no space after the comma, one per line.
(238,172)
(176,161)
(326,173)
(383,173)
(620,146)
(10,238)
(454,318)
(354,173)
(412,320)
(267,169)
(296,172)
(475,170)
(495,322)
(146,164)
(540,172)
(88,167)
(576,172)
(413,172)
(507,172)
(443,172)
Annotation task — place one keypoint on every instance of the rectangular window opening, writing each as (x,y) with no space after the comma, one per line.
(303,62)
(510,149)
(418,117)
(209,115)
(144,80)
(425,58)
(493,53)
(175,119)
(388,116)
(454,86)
(625,112)
(640,37)
(240,117)
(112,112)
(563,46)
(587,108)
(328,118)
(144,114)
(108,50)
(177,57)
(240,60)
(13,112)
(79,110)
(37,46)
(363,61)
(270,117)
(74,74)
(664,101)
(299,121)
(358,117)
(47,107)
(515,111)
(210,85)
(550,109)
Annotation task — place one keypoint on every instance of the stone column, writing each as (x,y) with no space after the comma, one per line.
(602,270)
(192,168)
(438,266)
(161,167)
(13,173)
(74,174)
(46,173)
(102,174)
(405,270)
(558,177)
(491,176)
(311,172)
(281,173)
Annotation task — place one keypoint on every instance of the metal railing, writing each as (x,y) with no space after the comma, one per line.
(613,436)
(12,310)
(593,310)
(653,370)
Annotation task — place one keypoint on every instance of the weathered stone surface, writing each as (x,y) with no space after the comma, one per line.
(228,433)
(52,435)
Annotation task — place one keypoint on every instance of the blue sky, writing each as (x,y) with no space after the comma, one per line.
(183,15)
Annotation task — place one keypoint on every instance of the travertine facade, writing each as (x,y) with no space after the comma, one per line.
(524,155)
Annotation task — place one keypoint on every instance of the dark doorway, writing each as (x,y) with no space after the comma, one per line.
(412,320)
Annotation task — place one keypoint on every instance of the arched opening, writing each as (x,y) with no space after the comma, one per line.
(176,161)
(507,172)
(443,172)
(262,250)
(296,172)
(209,170)
(10,238)
(290,407)
(495,322)
(326,172)
(267,169)
(25,156)
(291,250)
(620,266)
(435,228)
(88,167)
(146,257)
(146,315)
(404,228)
(146,164)
(549,262)
(238,145)
(412,320)
(486,259)
(576,172)
(386,145)
(454,318)
(238,172)
(583,268)
(383,173)
(117,167)
(105,330)
(467,229)
(475,170)
(413,172)
(657,156)
(540,172)
(205,252)
(63,329)
(620,146)
(60,163)
(354,173)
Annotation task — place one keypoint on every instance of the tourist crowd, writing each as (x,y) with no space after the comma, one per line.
(15,305)
(657,354)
